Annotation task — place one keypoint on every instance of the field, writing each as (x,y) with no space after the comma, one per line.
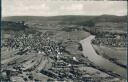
(118,54)
(112,27)
(73,35)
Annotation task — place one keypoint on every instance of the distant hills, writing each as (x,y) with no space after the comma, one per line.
(68,19)
(106,21)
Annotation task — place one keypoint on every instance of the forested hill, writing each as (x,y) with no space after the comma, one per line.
(68,19)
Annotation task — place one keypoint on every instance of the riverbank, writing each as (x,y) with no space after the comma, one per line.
(103,63)
(117,56)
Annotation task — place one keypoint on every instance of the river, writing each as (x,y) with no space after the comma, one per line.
(98,60)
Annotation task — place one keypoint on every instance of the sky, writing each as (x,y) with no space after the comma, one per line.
(62,7)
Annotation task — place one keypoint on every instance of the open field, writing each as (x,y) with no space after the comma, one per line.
(118,54)
(73,35)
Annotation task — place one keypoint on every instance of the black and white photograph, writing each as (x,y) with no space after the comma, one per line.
(63,41)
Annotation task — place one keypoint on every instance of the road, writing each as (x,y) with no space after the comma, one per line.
(89,52)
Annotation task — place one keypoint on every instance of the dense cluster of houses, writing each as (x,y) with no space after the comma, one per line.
(38,43)
(112,40)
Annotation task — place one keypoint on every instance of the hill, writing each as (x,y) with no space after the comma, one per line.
(68,19)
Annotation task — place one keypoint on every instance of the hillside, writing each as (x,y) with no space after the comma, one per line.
(74,19)
(103,22)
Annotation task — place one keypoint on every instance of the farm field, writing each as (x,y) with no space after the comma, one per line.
(119,54)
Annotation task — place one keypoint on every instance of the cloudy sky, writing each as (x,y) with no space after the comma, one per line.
(53,8)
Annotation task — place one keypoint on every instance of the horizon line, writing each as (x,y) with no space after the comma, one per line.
(61,15)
